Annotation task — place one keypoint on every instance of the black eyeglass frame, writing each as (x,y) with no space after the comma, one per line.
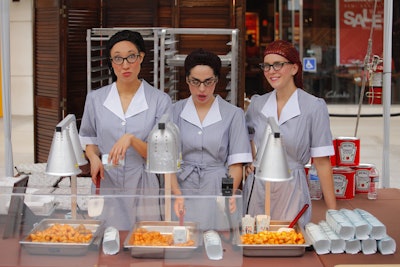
(276,65)
(128,59)
(207,82)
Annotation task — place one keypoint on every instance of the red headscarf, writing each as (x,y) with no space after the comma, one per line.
(288,51)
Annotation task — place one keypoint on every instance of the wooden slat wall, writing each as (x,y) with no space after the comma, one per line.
(127,13)
(165,13)
(60,64)
(47,60)
(81,15)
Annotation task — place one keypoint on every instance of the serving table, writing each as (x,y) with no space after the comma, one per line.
(386,208)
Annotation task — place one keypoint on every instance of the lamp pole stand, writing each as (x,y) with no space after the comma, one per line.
(74,192)
(268,198)
(167,189)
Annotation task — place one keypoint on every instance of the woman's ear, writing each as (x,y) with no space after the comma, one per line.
(142,54)
(295,69)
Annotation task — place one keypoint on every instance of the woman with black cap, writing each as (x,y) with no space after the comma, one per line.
(117,120)
(305,128)
(214,139)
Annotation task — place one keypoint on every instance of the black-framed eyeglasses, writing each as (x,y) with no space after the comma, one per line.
(130,59)
(276,65)
(207,83)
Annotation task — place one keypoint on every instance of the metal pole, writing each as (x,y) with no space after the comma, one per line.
(387,77)
(5,66)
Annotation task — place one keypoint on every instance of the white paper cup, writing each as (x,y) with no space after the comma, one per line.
(387,245)
(368,246)
(111,241)
(353,246)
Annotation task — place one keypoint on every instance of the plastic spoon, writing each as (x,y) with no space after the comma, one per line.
(96,204)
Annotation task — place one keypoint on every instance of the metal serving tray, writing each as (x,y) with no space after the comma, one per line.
(267,250)
(70,249)
(160,252)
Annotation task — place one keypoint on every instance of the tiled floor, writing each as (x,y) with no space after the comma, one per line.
(370,131)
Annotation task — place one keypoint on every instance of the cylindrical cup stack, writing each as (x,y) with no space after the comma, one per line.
(351,232)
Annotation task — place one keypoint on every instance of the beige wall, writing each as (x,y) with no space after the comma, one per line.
(21,57)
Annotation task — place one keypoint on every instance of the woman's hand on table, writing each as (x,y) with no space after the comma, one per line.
(179,206)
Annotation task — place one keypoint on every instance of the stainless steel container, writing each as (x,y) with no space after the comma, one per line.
(281,250)
(175,252)
(51,248)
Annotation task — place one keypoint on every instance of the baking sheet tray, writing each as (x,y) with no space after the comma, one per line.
(174,252)
(51,248)
(267,250)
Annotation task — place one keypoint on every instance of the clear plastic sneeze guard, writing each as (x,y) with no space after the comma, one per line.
(36,227)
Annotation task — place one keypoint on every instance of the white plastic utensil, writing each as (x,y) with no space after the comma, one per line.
(96,204)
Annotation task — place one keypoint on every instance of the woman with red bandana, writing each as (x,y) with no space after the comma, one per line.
(303,121)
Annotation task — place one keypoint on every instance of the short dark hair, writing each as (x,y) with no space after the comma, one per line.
(203,57)
(125,35)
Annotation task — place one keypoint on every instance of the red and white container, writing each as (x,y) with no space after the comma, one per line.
(333,157)
(363,174)
(347,151)
(343,178)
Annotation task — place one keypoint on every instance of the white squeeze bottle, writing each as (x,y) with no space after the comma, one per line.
(313,183)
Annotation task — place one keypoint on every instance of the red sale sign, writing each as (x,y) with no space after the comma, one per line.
(356,18)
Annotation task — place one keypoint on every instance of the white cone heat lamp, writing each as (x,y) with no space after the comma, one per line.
(66,155)
(271,163)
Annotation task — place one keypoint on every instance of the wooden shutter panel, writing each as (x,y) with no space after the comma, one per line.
(60,64)
(47,75)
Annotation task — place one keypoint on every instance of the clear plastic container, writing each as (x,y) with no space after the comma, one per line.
(373,188)
(373,184)
(314,184)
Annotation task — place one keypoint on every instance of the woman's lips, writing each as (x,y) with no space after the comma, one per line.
(201,97)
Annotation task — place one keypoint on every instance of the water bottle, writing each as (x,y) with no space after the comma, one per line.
(373,185)
(314,184)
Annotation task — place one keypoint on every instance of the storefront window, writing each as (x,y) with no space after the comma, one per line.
(318,30)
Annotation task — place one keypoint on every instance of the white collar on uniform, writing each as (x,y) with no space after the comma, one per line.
(137,105)
(189,113)
(290,110)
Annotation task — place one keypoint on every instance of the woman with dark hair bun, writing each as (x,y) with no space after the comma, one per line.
(117,120)
(304,125)
(214,140)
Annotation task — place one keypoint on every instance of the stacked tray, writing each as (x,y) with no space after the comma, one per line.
(52,248)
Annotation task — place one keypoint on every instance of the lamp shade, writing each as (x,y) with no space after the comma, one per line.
(260,150)
(272,162)
(163,148)
(62,160)
(76,144)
